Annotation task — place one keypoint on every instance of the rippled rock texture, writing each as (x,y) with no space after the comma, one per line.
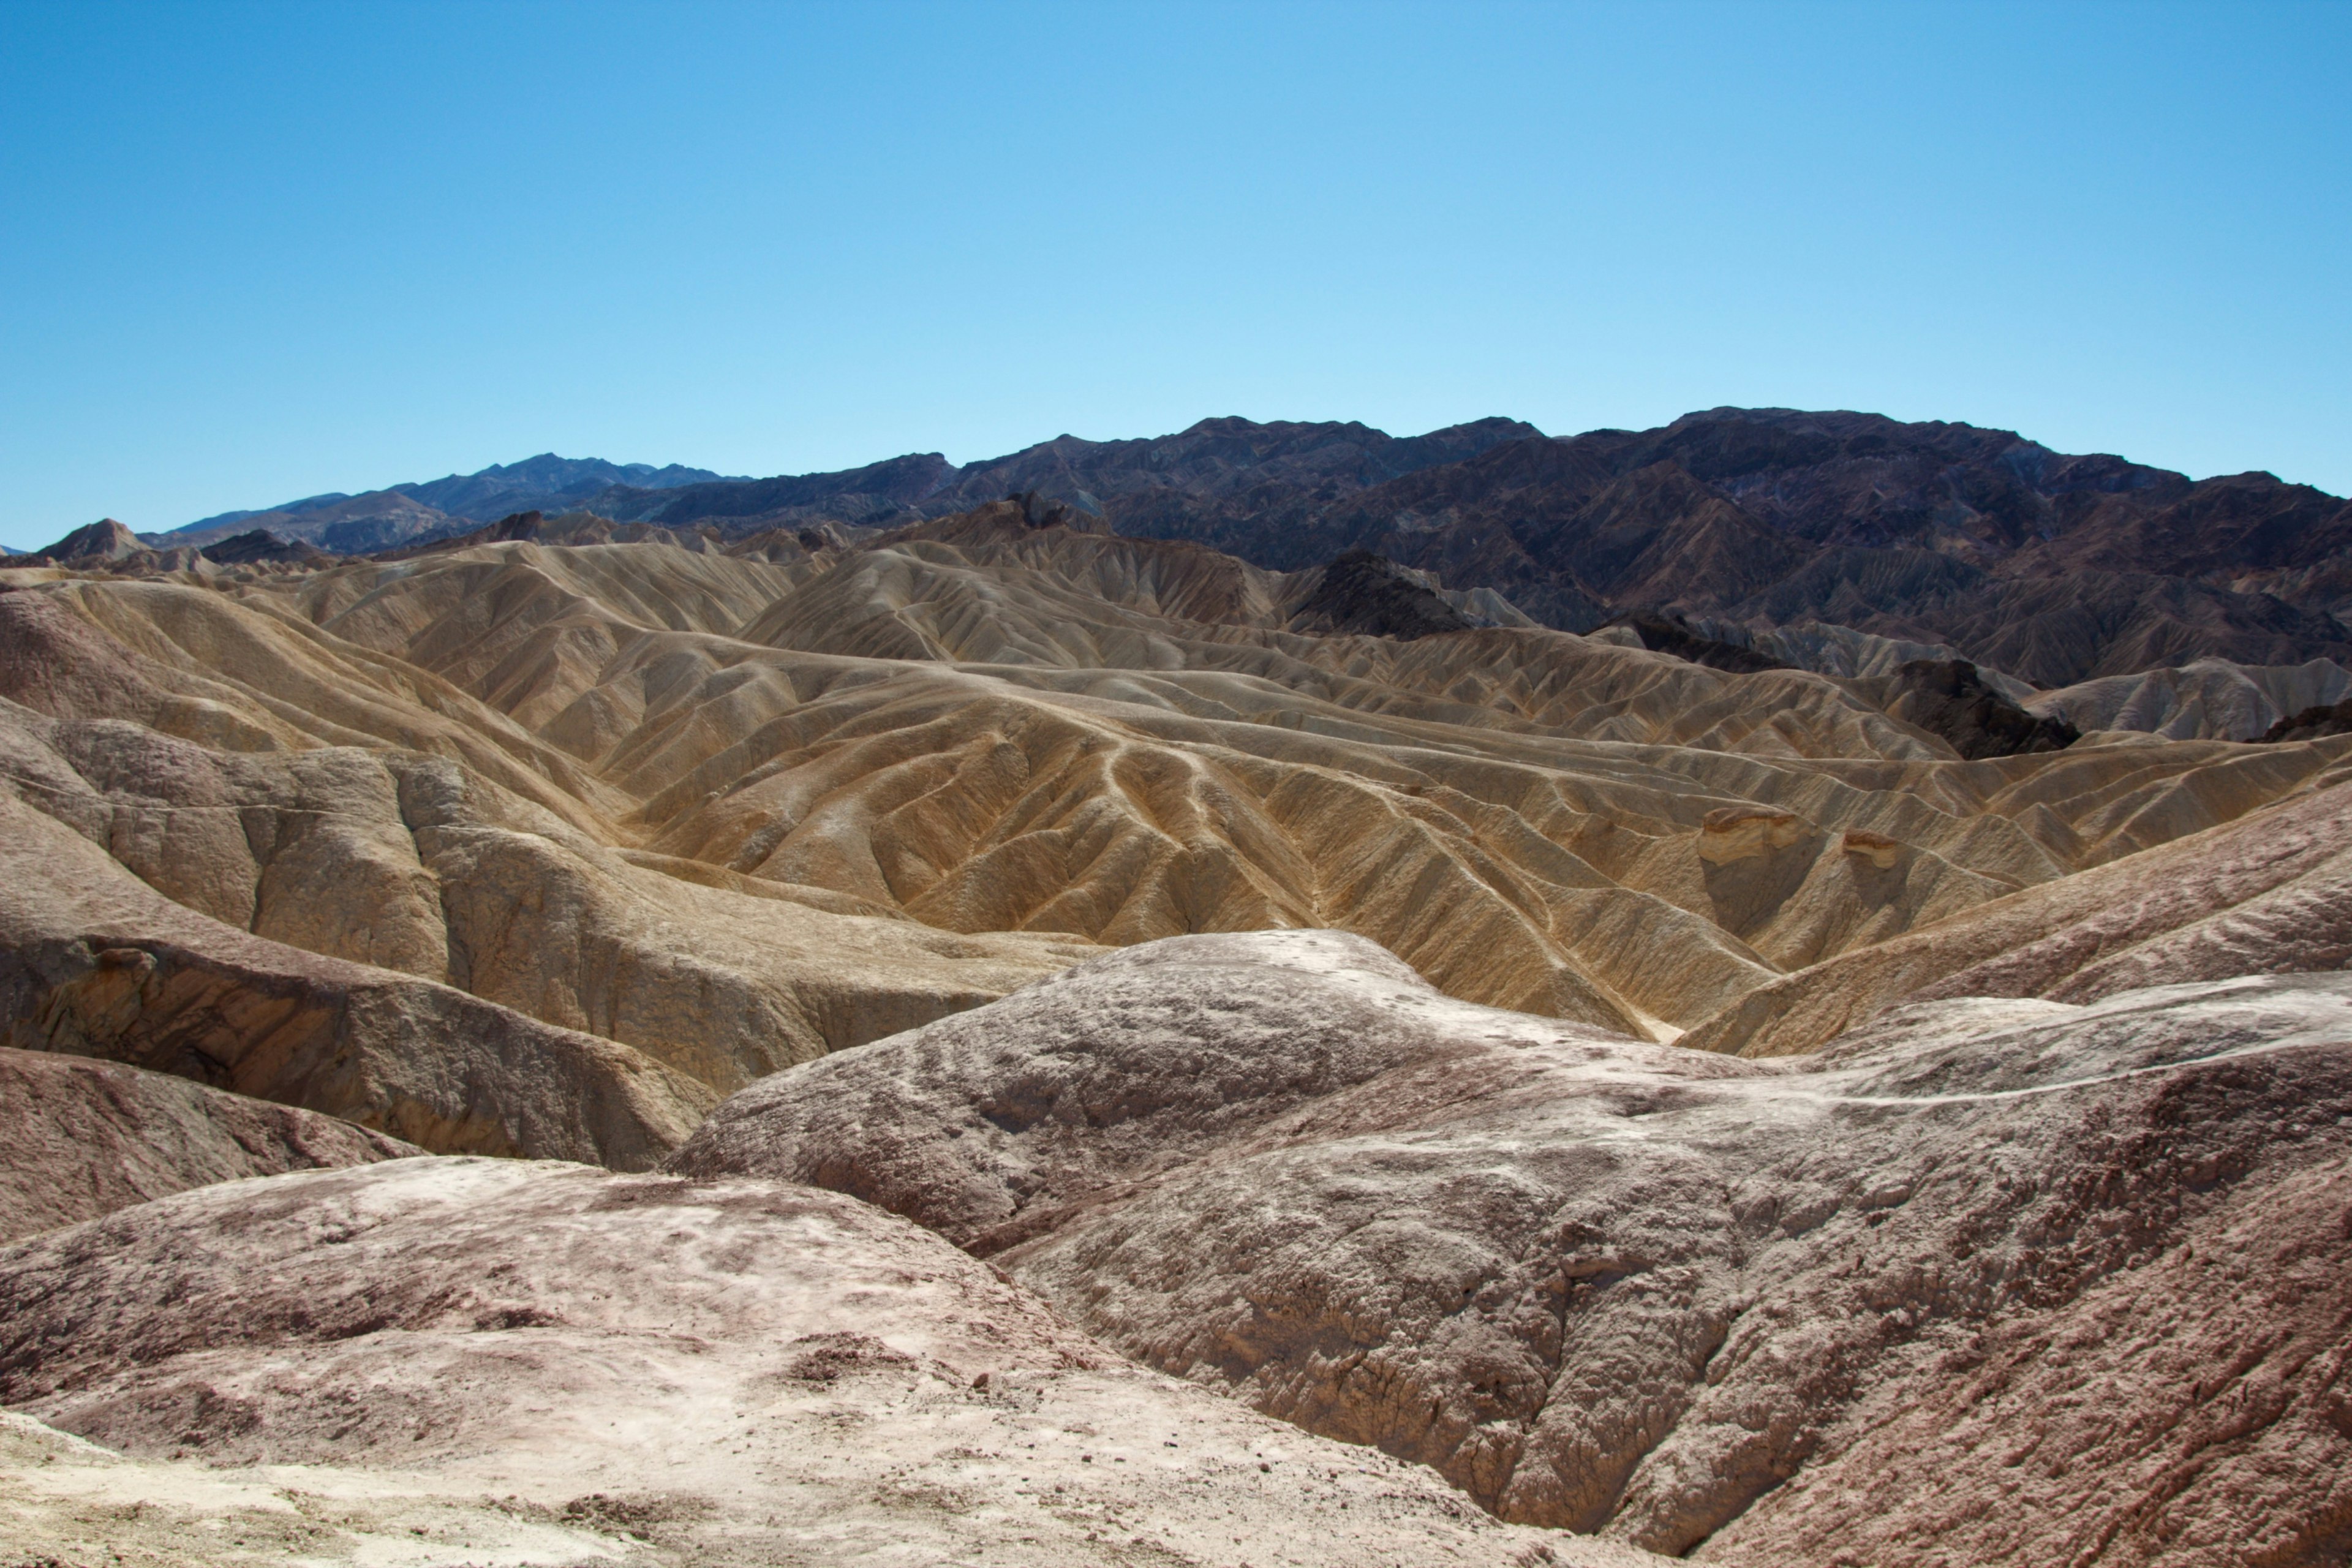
(1989,1281)
(456,1360)
(85,1138)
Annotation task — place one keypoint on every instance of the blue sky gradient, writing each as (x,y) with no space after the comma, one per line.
(252,253)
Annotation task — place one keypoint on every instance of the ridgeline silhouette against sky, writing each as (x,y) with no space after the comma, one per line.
(256,253)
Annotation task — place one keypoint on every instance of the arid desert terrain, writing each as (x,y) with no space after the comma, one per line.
(1770,991)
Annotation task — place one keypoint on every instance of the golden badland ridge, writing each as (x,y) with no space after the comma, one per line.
(546,846)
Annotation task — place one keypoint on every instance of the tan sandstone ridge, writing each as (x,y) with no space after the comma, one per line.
(445,1362)
(285,910)
(2205,698)
(734,810)
(95,962)
(2269,894)
(1993,1281)
(1957,1244)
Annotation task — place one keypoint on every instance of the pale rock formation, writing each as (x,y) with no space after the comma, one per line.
(630,789)
(419,864)
(1843,651)
(461,1360)
(2269,894)
(95,962)
(1820,1309)
(2204,700)
(86,1138)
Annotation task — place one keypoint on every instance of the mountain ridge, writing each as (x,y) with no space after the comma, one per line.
(2055,567)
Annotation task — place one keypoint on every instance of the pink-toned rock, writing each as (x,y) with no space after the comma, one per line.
(1816,1309)
(86,1138)
(527,1362)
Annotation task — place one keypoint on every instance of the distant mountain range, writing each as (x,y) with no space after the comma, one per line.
(400,514)
(2055,567)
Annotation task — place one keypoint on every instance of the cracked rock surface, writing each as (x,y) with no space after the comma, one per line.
(1988,1279)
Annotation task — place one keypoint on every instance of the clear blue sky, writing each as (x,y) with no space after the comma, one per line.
(248,254)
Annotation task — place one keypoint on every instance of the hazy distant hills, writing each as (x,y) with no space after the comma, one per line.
(400,514)
(2057,567)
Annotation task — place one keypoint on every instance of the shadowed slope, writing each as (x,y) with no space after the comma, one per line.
(87,1138)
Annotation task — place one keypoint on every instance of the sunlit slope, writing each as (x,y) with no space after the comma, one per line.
(1061,732)
(324,797)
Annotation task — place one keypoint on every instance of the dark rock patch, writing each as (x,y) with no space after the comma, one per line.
(1373,597)
(2312,723)
(1664,634)
(1947,698)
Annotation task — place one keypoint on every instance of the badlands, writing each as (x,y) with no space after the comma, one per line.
(780,1040)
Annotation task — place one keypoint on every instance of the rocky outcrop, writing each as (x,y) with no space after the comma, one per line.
(2312,723)
(258,545)
(87,1138)
(94,544)
(1950,701)
(1671,1296)
(479,1359)
(1668,634)
(1369,595)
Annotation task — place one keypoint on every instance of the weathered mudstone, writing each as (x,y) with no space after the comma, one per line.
(85,1138)
(572,1366)
(1677,1296)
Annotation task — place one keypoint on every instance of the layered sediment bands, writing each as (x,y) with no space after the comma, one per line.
(1115,738)
(531,1361)
(2205,700)
(86,1138)
(95,962)
(672,798)
(419,864)
(1677,1297)
(2269,894)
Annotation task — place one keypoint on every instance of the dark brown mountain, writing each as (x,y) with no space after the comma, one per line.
(260,544)
(1668,634)
(882,493)
(2052,568)
(1225,473)
(1361,592)
(1947,697)
(2312,723)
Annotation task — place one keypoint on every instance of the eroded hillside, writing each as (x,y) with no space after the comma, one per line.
(817,858)
(731,811)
